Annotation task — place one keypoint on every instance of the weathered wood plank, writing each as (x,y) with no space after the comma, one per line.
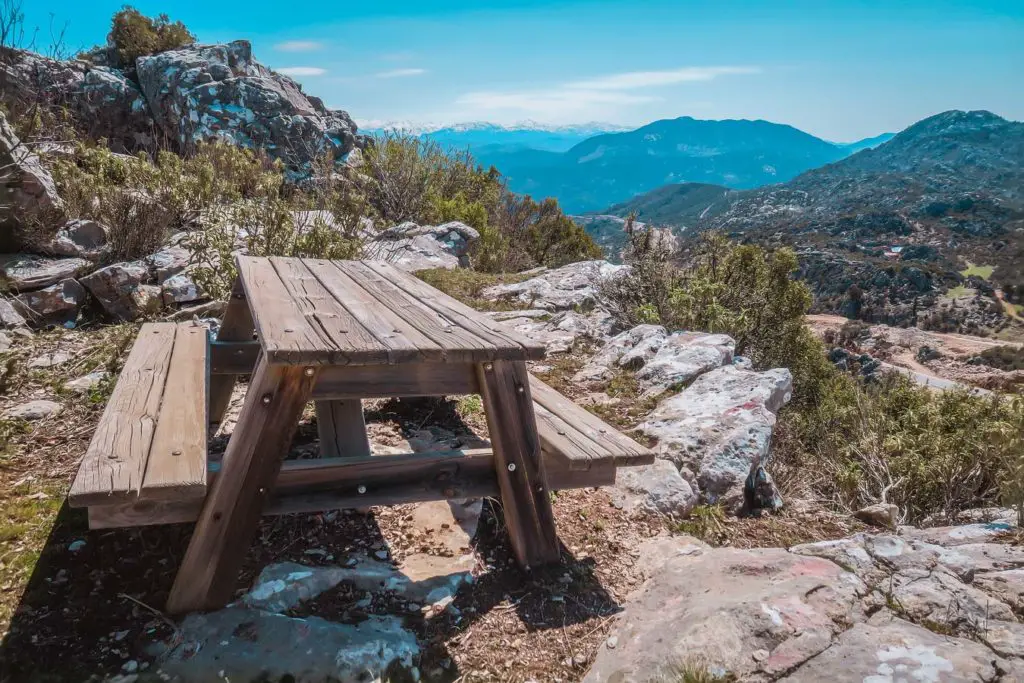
(564,443)
(405,342)
(236,326)
(339,338)
(177,459)
(505,389)
(606,439)
(477,481)
(342,429)
(509,344)
(231,511)
(115,462)
(233,358)
(418,379)
(460,345)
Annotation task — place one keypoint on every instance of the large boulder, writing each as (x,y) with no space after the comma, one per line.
(123,291)
(559,332)
(27,191)
(54,305)
(418,247)
(104,103)
(81,238)
(573,286)
(219,92)
(720,425)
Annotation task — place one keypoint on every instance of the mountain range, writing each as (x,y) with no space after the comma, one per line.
(903,221)
(589,166)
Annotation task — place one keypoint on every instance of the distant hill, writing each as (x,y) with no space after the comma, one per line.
(903,219)
(613,167)
(496,139)
(679,205)
(866,143)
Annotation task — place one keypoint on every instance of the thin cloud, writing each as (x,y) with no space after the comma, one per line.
(547,103)
(400,73)
(648,79)
(298,46)
(301,71)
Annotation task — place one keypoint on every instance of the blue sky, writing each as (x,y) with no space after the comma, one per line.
(840,70)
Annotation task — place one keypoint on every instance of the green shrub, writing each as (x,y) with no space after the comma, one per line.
(135,35)
(1003,358)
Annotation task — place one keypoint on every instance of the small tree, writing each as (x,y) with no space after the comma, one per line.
(133,35)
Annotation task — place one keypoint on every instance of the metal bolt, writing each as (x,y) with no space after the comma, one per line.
(511,467)
(266,399)
(176,452)
(488,366)
(309,372)
(262,490)
(288,329)
(361,489)
(540,489)
(521,390)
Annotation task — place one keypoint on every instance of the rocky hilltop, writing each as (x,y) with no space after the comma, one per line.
(180,97)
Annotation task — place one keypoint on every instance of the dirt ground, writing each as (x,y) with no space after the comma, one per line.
(900,346)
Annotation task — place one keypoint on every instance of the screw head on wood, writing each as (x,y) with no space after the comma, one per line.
(309,372)
(521,390)
(361,489)
(488,366)
(177,452)
(288,329)
(266,399)
(511,467)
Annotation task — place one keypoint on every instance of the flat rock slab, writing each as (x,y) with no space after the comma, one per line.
(658,487)
(241,644)
(26,273)
(898,650)
(34,410)
(727,608)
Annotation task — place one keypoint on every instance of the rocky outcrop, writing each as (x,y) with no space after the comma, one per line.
(103,101)
(184,96)
(928,605)
(80,237)
(559,332)
(211,92)
(418,247)
(574,286)
(27,191)
(720,425)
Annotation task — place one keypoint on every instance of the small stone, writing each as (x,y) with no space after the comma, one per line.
(34,410)
(884,515)
(86,383)
(381,554)
(612,642)
(760,655)
(49,360)
(131,666)
(75,546)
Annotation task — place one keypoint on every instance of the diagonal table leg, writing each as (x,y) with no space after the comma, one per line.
(236,326)
(231,512)
(505,388)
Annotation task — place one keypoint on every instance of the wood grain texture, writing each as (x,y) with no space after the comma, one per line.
(581,426)
(505,389)
(176,467)
(405,343)
(236,326)
(231,511)
(115,462)
(458,344)
(480,481)
(342,429)
(508,344)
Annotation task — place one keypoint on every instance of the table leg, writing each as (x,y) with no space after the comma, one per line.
(236,326)
(249,470)
(505,389)
(342,429)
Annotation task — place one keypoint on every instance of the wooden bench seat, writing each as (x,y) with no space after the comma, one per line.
(151,441)
(575,439)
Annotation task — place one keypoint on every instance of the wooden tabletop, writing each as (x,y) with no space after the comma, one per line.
(320,312)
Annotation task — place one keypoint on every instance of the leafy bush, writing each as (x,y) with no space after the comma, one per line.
(1003,358)
(404,178)
(839,439)
(135,35)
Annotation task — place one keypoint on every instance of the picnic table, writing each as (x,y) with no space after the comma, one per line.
(331,332)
